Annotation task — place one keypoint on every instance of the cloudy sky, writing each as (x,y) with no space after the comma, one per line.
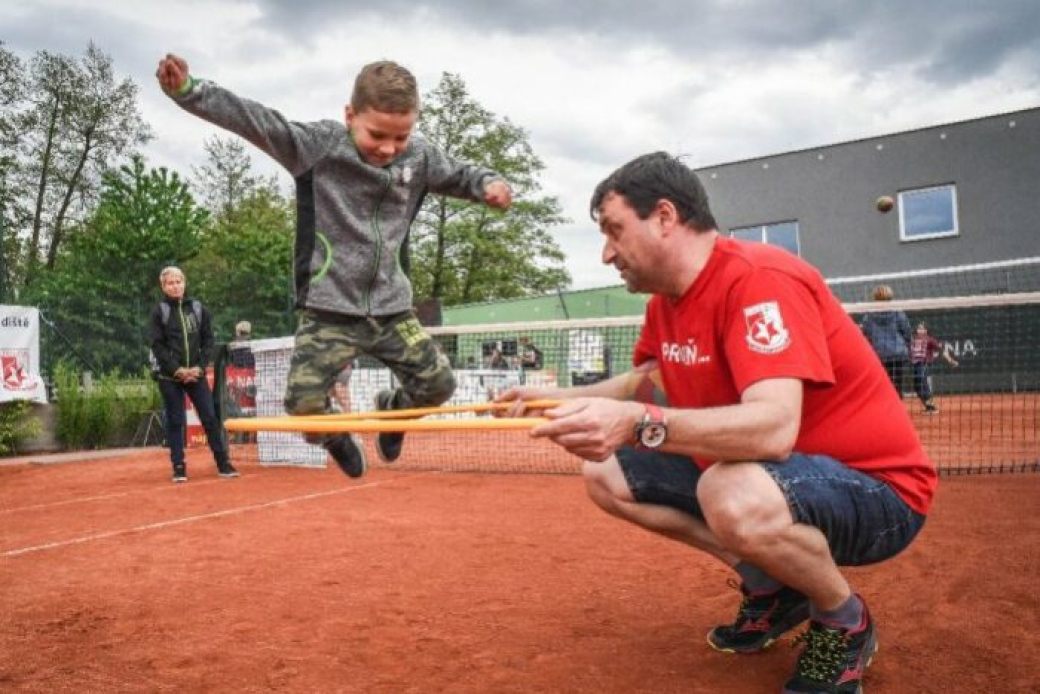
(594,83)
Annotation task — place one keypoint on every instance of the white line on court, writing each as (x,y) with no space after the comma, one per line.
(102,497)
(188,519)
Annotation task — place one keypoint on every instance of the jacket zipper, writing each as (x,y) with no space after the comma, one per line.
(379,244)
(184,330)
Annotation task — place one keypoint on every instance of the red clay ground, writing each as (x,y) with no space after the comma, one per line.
(113,579)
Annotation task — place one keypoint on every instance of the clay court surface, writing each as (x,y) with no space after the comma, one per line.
(112,579)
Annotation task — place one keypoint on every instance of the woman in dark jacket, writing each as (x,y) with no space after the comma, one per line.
(181,337)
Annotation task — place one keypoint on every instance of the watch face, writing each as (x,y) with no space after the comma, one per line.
(652,435)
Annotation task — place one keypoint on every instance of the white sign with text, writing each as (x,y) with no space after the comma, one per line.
(20,354)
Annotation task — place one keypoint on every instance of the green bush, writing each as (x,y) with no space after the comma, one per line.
(69,399)
(106,414)
(16,425)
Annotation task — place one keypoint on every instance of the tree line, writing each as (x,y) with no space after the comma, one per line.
(86,224)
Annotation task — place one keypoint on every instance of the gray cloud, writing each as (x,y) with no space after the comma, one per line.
(35,29)
(133,48)
(942,40)
(948,42)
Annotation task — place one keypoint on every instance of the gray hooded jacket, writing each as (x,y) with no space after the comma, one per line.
(352,217)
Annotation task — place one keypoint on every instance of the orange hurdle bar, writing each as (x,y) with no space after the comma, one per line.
(417,412)
(314,425)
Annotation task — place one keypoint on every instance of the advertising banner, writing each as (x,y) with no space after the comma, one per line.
(20,354)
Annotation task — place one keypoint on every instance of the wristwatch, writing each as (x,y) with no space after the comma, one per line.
(653,429)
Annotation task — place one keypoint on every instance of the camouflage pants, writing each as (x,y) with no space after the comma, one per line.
(327,342)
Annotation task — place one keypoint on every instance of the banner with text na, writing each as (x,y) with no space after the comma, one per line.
(20,354)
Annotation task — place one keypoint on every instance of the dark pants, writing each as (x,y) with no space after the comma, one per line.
(173,393)
(896,367)
(921,385)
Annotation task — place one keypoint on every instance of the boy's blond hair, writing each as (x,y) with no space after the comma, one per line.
(385,86)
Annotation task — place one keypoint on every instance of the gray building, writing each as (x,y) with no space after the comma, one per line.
(965,222)
(966,194)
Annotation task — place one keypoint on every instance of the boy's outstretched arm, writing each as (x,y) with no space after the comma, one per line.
(447,176)
(293,145)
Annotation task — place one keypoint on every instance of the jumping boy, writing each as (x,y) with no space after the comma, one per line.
(359,185)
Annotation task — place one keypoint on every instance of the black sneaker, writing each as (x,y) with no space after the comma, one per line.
(930,407)
(180,474)
(388,444)
(761,620)
(834,660)
(226,470)
(348,454)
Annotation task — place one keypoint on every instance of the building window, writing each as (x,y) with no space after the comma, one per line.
(928,213)
(783,234)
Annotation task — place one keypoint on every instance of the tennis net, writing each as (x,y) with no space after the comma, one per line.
(983,416)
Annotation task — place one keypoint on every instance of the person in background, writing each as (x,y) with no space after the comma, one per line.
(889,334)
(240,354)
(241,380)
(180,335)
(531,358)
(497,360)
(924,350)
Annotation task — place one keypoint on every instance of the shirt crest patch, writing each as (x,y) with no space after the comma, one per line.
(766,333)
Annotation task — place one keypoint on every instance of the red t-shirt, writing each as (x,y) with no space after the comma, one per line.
(757,312)
(924,350)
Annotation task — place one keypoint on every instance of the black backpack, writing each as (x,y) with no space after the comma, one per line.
(196,308)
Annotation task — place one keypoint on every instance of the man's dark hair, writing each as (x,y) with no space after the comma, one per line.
(659,176)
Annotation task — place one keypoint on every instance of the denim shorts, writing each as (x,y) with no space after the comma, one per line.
(862,517)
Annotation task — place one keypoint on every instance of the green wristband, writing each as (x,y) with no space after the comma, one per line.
(186,87)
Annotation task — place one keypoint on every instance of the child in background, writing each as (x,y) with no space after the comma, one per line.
(924,350)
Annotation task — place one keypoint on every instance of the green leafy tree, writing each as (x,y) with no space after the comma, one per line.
(461,252)
(78,120)
(227,179)
(105,282)
(12,210)
(244,271)
(11,76)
